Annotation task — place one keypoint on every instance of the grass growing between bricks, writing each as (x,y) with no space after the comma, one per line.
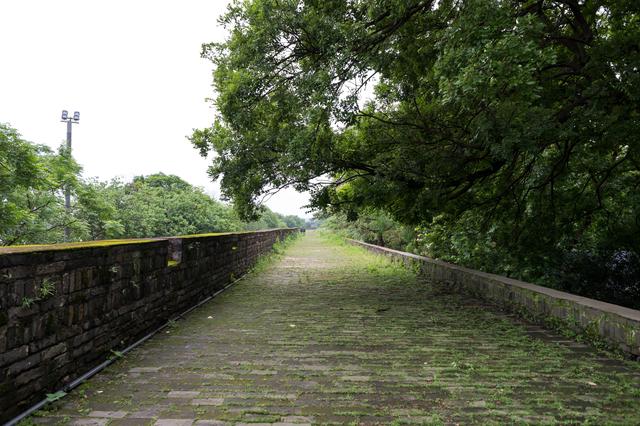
(326,333)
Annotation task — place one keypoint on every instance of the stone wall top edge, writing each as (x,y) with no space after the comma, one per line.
(40,248)
(222,234)
(605,307)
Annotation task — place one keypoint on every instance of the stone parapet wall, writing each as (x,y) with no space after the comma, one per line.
(64,308)
(616,325)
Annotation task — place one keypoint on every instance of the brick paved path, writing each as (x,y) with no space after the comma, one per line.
(330,334)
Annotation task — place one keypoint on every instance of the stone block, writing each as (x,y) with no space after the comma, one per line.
(54,351)
(50,268)
(13,355)
(29,376)
(23,364)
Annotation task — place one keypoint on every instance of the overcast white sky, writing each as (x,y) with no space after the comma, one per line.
(132,69)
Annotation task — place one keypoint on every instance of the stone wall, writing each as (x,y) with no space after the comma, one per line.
(616,325)
(64,308)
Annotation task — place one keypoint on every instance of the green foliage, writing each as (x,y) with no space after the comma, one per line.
(162,205)
(159,205)
(313,223)
(115,354)
(98,209)
(32,184)
(47,288)
(51,397)
(266,220)
(27,302)
(505,131)
(292,221)
(32,181)
(375,227)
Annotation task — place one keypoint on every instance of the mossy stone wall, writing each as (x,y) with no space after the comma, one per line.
(64,308)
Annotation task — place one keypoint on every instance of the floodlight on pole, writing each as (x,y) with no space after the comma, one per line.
(67,192)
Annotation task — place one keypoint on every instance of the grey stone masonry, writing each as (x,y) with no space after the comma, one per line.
(617,325)
(65,308)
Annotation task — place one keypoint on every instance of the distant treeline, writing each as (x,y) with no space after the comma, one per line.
(32,211)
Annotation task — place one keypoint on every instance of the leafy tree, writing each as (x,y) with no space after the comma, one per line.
(376,227)
(98,209)
(506,130)
(314,223)
(267,219)
(293,221)
(483,104)
(153,206)
(161,205)
(32,181)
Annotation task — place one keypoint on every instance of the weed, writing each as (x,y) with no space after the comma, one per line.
(51,397)
(116,354)
(46,289)
(27,302)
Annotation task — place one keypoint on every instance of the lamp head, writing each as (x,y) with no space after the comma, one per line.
(65,114)
(76,116)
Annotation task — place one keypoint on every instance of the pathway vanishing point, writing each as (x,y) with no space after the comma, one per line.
(330,334)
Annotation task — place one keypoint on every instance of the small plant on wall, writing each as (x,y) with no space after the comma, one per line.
(46,289)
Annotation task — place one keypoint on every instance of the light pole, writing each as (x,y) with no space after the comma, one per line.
(67,191)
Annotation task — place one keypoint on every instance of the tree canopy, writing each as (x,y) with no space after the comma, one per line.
(33,179)
(152,206)
(487,123)
(160,205)
(482,103)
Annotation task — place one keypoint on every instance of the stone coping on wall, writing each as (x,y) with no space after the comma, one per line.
(27,248)
(617,325)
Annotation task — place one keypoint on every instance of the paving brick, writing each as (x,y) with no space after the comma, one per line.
(89,422)
(108,414)
(145,370)
(174,422)
(208,401)
(182,394)
(297,419)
